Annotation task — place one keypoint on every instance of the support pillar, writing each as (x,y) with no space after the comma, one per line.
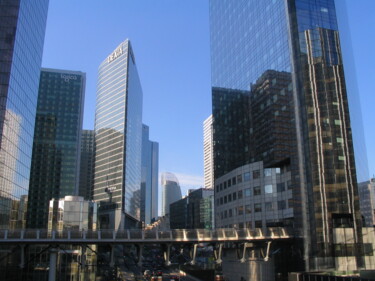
(218,254)
(194,254)
(52,264)
(112,262)
(167,255)
(22,262)
(245,246)
(83,257)
(140,254)
(266,258)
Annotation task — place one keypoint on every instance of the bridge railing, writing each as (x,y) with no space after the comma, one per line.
(150,235)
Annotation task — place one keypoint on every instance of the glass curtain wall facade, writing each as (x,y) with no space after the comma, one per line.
(285,58)
(86,174)
(150,176)
(57,141)
(22,29)
(118,140)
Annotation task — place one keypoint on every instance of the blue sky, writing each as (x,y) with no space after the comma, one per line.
(170,40)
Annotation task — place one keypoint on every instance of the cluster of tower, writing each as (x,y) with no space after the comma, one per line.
(44,152)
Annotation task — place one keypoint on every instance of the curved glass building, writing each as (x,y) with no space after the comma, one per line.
(171,191)
(118,140)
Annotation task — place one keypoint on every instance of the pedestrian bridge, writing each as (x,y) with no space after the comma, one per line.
(136,236)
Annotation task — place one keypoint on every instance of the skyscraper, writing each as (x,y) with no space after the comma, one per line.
(208,161)
(86,174)
(118,140)
(279,96)
(22,29)
(150,177)
(171,191)
(57,141)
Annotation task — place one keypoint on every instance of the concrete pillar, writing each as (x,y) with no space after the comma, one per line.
(140,254)
(22,262)
(52,264)
(112,262)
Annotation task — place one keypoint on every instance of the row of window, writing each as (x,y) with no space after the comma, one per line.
(256,208)
(247,176)
(256,190)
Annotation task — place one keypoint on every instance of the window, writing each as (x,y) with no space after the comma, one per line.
(268,188)
(278,171)
(247,192)
(256,174)
(281,205)
(290,203)
(268,206)
(217,188)
(239,178)
(289,184)
(258,224)
(240,210)
(229,197)
(280,187)
(221,201)
(248,209)
(267,172)
(225,199)
(225,185)
(240,225)
(257,207)
(240,194)
(230,213)
(221,187)
(229,183)
(257,190)
(225,214)
(234,196)
(246,176)
(234,180)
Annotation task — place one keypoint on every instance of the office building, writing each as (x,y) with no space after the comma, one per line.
(194,211)
(86,174)
(208,156)
(22,29)
(171,191)
(118,140)
(367,201)
(57,141)
(279,97)
(150,177)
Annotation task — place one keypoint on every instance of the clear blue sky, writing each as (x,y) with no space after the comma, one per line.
(170,39)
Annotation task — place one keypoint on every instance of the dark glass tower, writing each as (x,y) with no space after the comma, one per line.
(57,140)
(283,59)
(22,29)
(86,174)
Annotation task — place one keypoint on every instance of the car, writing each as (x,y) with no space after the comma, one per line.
(158,272)
(174,277)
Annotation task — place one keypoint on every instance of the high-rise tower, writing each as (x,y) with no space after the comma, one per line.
(86,174)
(171,191)
(118,140)
(57,142)
(208,161)
(22,29)
(150,177)
(279,96)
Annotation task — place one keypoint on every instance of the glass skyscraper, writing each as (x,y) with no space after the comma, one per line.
(150,177)
(57,142)
(279,96)
(22,29)
(118,140)
(86,174)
